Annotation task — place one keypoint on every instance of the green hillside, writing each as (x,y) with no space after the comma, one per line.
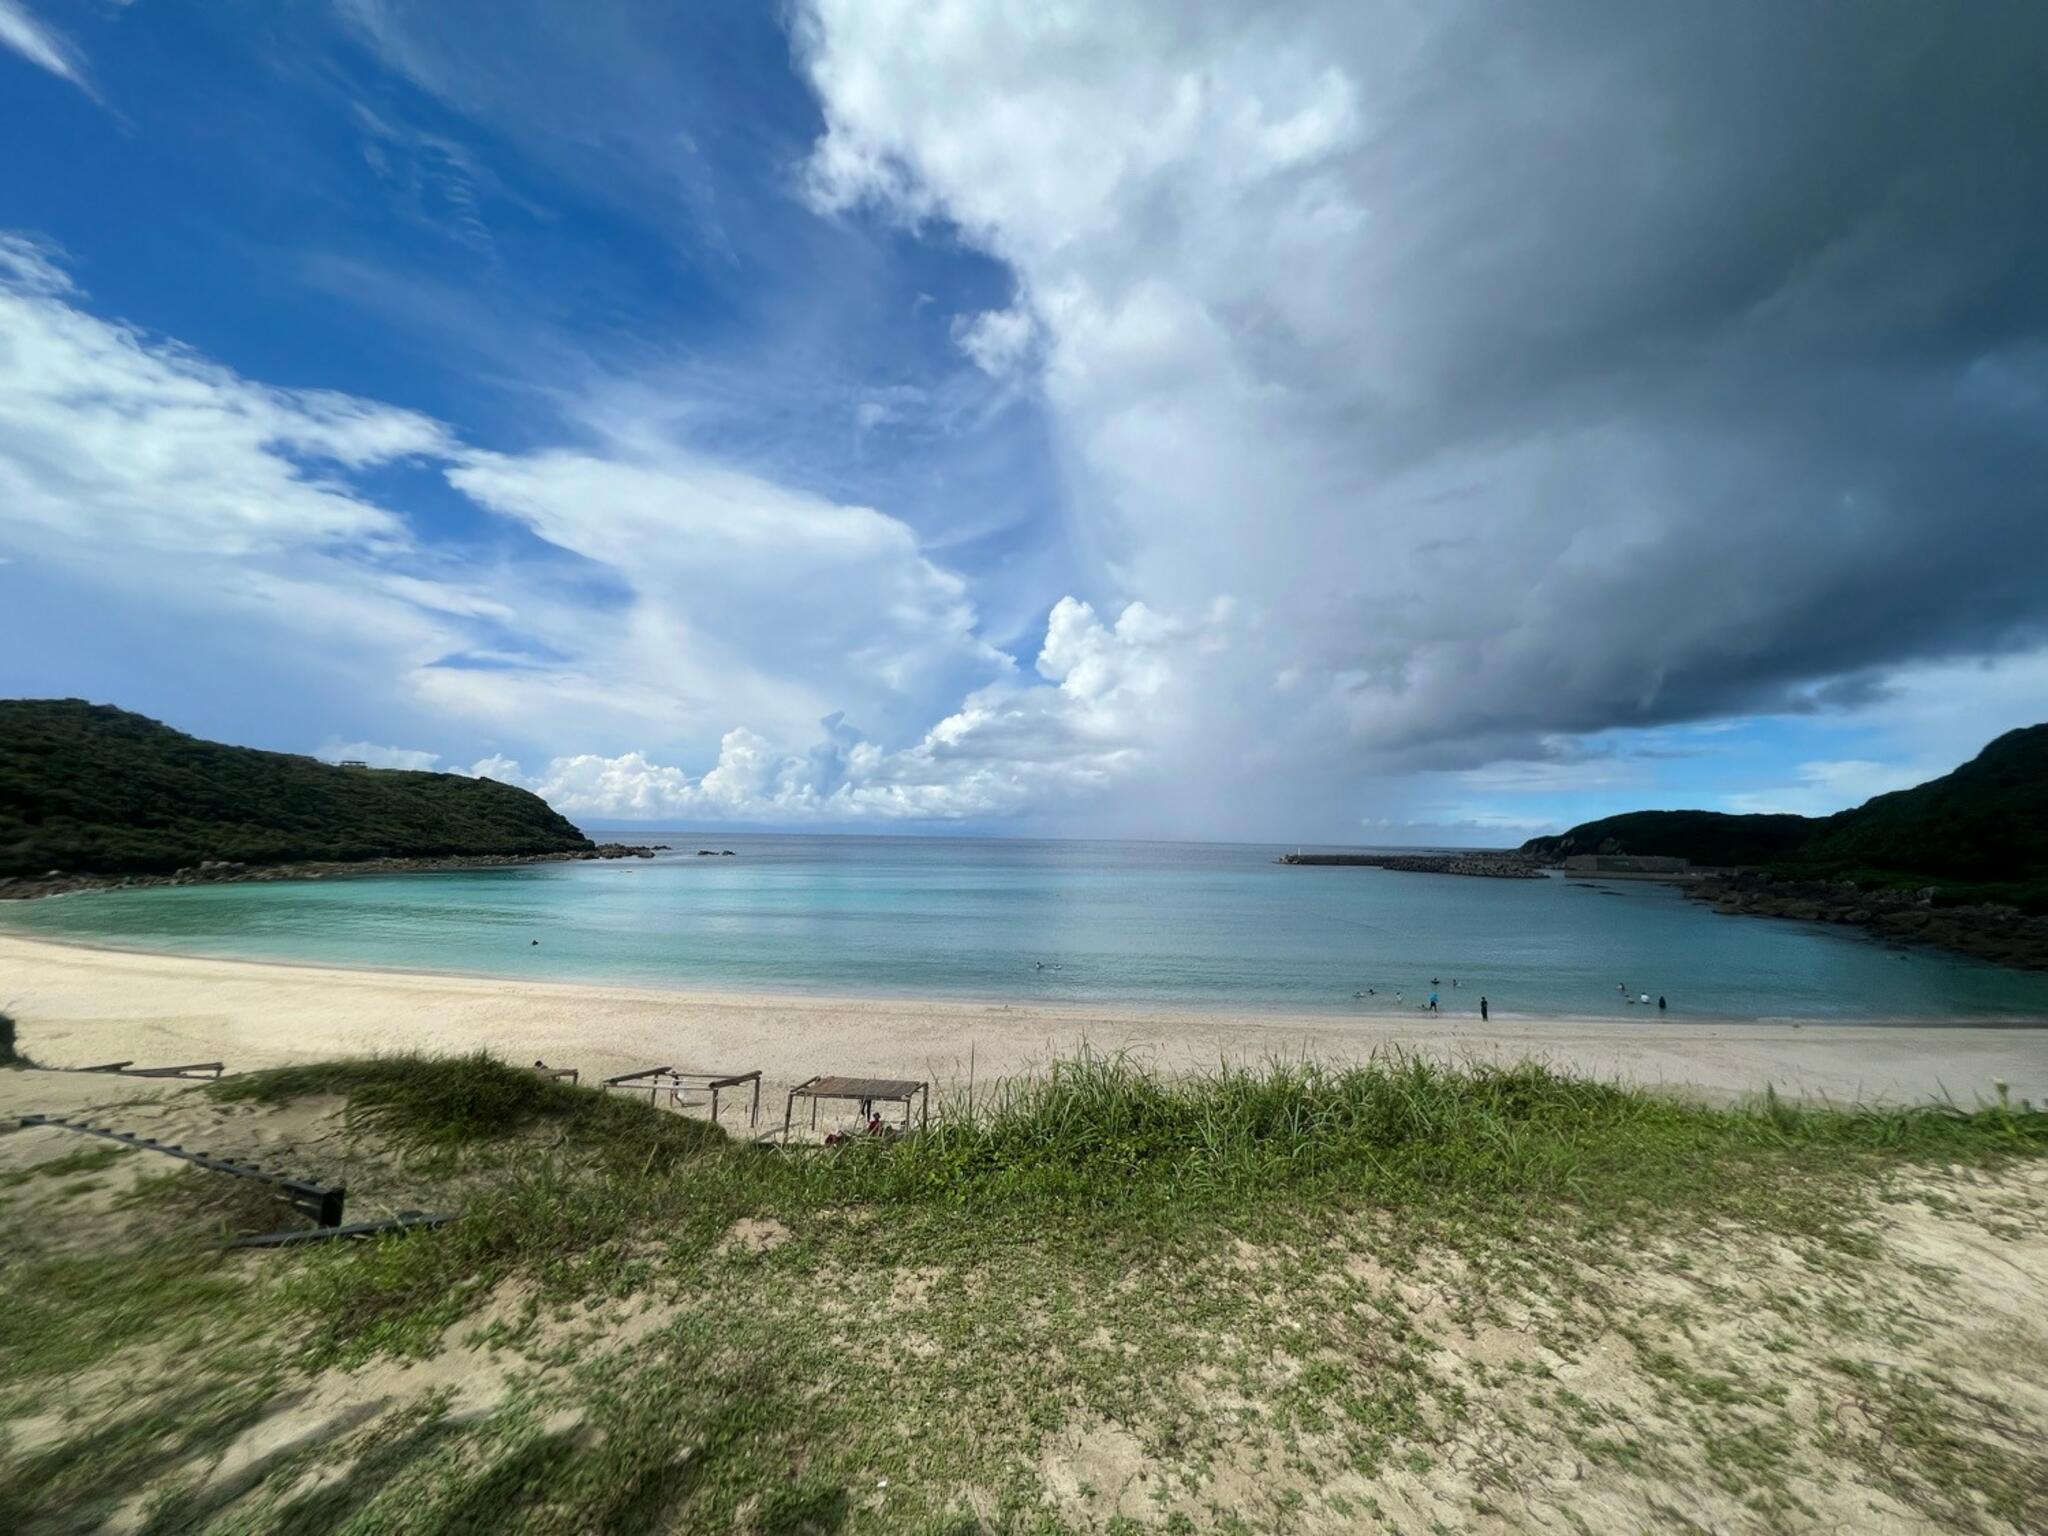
(1979,832)
(89,788)
(1705,837)
(1987,821)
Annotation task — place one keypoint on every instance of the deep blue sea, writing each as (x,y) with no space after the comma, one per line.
(1158,925)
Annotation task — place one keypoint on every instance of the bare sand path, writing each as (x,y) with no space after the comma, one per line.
(76,1006)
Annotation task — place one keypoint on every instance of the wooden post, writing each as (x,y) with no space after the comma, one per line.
(330,1207)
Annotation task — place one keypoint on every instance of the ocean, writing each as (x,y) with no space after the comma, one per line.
(1139,925)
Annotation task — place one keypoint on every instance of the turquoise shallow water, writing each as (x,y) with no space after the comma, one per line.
(1137,924)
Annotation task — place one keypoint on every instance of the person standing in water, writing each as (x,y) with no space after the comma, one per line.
(1660,1002)
(1432,1002)
(1482,1007)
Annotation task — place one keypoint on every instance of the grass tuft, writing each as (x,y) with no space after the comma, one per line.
(1233,1269)
(1397,1130)
(445,1103)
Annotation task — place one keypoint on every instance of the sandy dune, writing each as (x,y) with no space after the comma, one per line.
(75,1006)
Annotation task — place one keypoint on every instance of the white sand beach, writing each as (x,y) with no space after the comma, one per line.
(76,1006)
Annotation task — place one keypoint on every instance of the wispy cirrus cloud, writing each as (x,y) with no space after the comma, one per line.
(667,607)
(43,45)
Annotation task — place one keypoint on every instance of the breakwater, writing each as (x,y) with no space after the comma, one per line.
(1492,866)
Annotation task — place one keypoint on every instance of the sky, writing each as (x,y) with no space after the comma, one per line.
(1346,421)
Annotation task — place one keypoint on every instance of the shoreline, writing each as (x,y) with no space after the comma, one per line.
(75,1004)
(1157,1013)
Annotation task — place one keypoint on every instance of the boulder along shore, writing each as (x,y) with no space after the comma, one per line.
(2004,935)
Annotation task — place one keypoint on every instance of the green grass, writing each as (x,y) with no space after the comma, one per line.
(1113,1156)
(87,1159)
(1099,1251)
(1946,1450)
(446,1103)
(1398,1131)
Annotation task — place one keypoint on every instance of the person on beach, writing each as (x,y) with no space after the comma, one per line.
(1432,1002)
(1482,1007)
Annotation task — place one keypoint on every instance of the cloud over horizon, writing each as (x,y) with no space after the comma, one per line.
(721,598)
(1198,419)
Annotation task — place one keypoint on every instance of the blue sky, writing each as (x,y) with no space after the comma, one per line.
(1353,424)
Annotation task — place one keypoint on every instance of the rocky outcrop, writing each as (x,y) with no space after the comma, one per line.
(1494,866)
(2004,935)
(227,871)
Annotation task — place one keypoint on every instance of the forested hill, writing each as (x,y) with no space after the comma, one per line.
(92,789)
(1984,826)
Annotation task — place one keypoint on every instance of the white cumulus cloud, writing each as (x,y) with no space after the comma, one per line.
(997,340)
(1521,387)
(1011,747)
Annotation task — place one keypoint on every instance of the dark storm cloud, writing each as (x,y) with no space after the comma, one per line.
(1594,366)
(1793,259)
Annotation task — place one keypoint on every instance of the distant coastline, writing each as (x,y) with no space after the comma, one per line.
(1991,931)
(230,872)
